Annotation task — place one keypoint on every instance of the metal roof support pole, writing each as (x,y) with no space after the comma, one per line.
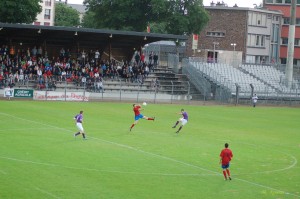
(172,92)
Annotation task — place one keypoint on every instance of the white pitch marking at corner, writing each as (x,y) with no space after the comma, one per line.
(156,155)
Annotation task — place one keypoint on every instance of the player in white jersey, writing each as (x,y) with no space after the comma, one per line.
(254,100)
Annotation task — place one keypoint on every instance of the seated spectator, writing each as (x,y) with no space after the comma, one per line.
(52,85)
(140,79)
(21,78)
(155,84)
(62,53)
(83,81)
(98,85)
(1,80)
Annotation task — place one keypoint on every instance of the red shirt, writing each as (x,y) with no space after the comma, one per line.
(226,155)
(136,110)
(142,57)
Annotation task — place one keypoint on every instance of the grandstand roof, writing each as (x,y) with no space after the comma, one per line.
(83,37)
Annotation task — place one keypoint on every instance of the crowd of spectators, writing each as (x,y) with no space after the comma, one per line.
(84,68)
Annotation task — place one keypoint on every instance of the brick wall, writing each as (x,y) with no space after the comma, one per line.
(233,22)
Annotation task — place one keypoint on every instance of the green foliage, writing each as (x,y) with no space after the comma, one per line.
(19,11)
(66,16)
(186,16)
(88,20)
(40,158)
(158,27)
(173,17)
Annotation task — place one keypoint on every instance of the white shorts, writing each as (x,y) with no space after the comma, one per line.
(183,121)
(79,126)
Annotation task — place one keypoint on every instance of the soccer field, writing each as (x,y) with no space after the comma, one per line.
(40,158)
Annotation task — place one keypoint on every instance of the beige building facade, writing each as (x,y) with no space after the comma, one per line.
(46,17)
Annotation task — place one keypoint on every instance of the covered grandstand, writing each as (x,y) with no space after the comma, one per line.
(113,43)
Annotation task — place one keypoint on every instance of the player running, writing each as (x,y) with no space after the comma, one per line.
(79,119)
(226,156)
(137,115)
(184,119)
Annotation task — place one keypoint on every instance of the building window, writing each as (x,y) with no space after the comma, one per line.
(275,31)
(288,1)
(37,23)
(215,34)
(298,2)
(250,59)
(257,40)
(283,60)
(47,14)
(284,41)
(298,21)
(262,40)
(286,20)
(269,1)
(46,24)
(47,2)
(278,1)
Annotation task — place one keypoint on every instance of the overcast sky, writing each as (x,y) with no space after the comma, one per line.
(240,3)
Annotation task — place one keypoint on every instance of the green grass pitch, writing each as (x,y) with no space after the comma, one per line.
(40,158)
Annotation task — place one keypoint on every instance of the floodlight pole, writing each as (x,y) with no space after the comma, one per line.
(291,42)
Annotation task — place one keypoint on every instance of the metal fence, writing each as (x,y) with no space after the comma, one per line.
(173,62)
(151,89)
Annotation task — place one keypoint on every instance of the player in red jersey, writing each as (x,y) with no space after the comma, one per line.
(226,156)
(137,115)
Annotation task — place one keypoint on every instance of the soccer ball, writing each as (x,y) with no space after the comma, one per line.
(144,103)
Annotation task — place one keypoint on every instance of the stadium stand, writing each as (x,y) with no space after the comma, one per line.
(228,76)
(229,84)
(270,76)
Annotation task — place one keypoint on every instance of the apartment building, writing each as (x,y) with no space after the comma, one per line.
(285,6)
(241,34)
(46,17)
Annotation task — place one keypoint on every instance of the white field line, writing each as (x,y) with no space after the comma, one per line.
(100,170)
(160,156)
(295,161)
(20,129)
(46,192)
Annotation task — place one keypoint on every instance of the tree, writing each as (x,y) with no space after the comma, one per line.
(186,17)
(66,16)
(88,20)
(158,27)
(131,15)
(21,11)
(165,16)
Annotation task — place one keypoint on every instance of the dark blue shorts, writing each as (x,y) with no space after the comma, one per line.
(225,166)
(137,117)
